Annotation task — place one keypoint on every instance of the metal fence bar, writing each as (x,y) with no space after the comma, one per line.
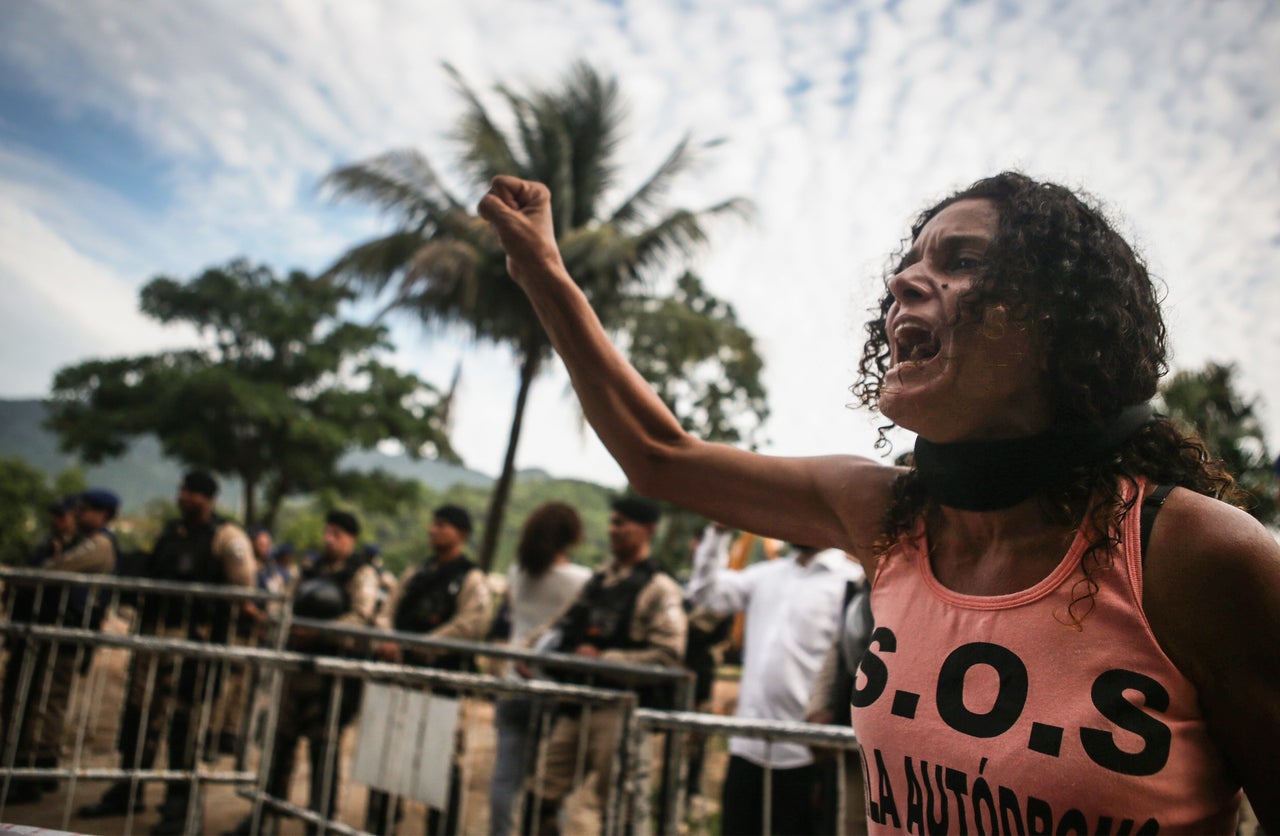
(679,678)
(625,805)
(205,591)
(839,738)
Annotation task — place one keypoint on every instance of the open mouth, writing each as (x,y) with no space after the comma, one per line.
(914,343)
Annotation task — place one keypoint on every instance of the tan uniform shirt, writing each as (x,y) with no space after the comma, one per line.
(94,555)
(659,621)
(232,548)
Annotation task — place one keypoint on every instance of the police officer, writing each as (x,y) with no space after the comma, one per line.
(632,612)
(250,626)
(198,547)
(445,597)
(79,541)
(343,588)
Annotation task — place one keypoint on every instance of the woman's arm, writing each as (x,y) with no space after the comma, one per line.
(1212,595)
(834,501)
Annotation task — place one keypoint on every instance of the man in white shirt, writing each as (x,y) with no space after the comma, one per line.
(793,609)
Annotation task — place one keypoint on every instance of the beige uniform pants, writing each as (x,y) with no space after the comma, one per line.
(563,769)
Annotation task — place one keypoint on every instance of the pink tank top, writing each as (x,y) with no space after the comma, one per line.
(990,715)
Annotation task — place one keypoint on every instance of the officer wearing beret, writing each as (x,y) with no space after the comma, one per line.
(200,546)
(79,541)
(343,588)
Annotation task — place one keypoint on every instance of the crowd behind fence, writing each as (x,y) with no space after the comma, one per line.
(383,750)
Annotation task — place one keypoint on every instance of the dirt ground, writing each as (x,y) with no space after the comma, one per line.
(223,808)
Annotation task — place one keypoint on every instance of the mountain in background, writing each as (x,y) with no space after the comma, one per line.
(144,474)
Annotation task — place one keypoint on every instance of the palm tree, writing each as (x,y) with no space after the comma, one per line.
(446,266)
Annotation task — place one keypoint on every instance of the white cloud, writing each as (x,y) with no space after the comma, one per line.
(1167,112)
(70,307)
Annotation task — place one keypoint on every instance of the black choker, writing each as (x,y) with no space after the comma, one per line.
(990,475)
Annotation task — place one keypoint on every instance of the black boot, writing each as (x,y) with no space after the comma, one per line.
(24,791)
(47,784)
(173,812)
(114,802)
(382,813)
(548,813)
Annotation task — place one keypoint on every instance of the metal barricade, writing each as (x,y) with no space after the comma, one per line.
(483,689)
(95,710)
(57,697)
(673,816)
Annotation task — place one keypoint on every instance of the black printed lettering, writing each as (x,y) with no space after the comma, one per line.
(873,809)
(1039,817)
(1108,698)
(958,783)
(984,802)
(1009,701)
(886,804)
(1150,827)
(915,801)
(1010,812)
(873,668)
(1073,821)
(937,823)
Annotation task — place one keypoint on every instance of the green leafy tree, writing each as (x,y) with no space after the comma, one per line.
(24,495)
(1207,403)
(280,390)
(446,267)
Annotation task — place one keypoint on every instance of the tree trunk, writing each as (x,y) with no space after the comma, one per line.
(502,488)
(273,500)
(249,500)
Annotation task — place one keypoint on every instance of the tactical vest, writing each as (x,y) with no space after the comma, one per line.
(430,599)
(185,555)
(323,596)
(601,617)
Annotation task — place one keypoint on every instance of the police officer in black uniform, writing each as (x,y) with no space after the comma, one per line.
(445,597)
(343,588)
(198,547)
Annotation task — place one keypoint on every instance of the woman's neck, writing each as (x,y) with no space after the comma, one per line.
(995,552)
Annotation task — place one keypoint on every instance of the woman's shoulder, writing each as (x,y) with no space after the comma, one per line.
(1197,538)
(557,576)
(1211,593)
(570,573)
(1209,570)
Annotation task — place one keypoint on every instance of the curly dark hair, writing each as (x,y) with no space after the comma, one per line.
(550,529)
(1056,263)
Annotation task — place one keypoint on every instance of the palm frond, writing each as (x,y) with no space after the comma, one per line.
(440,269)
(652,191)
(680,234)
(400,182)
(486,150)
(592,112)
(555,152)
(373,264)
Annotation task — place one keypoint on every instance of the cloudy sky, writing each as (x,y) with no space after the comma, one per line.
(139,138)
